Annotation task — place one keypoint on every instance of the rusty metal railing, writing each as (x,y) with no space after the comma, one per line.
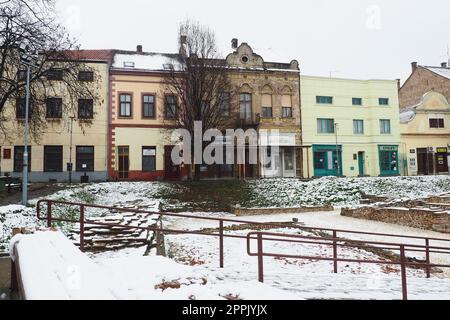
(335,238)
(339,242)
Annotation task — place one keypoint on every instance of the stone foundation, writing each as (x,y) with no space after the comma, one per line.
(422,218)
(269,211)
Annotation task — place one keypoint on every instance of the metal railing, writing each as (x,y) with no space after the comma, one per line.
(335,242)
(333,238)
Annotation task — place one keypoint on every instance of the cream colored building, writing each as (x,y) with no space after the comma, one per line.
(139,137)
(362,115)
(425,135)
(50,152)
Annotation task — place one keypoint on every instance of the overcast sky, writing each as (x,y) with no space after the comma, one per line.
(374,39)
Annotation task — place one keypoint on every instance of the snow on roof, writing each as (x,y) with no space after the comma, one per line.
(144,61)
(444,72)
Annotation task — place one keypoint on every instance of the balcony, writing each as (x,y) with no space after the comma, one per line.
(249,122)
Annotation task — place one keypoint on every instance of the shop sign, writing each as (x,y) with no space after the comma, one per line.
(389,148)
(441,150)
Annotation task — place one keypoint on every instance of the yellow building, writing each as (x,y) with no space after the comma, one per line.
(351,125)
(425,135)
(64,139)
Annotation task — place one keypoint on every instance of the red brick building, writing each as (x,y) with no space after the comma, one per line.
(422,80)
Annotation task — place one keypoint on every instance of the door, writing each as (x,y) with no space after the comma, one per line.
(388,160)
(424,161)
(288,162)
(441,160)
(124,162)
(326,160)
(171,171)
(361,161)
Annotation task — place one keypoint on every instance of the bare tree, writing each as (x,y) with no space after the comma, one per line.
(32,23)
(201,81)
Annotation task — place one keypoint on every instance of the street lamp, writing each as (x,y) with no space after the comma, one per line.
(26,57)
(70,164)
(336,127)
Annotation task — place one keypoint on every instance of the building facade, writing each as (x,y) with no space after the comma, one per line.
(352,127)
(139,134)
(80,139)
(269,99)
(266,95)
(422,80)
(425,135)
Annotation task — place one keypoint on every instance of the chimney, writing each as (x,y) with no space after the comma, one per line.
(139,48)
(444,64)
(414,66)
(234,43)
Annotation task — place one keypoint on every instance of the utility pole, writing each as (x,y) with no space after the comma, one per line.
(26,57)
(336,127)
(70,165)
(25,143)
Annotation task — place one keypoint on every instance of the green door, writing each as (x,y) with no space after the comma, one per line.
(361,157)
(325,160)
(388,158)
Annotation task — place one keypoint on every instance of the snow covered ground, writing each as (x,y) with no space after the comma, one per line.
(192,270)
(258,193)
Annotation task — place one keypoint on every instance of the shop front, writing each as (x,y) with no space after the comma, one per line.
(326,159)
(441,160)
(278,155)
(389,161)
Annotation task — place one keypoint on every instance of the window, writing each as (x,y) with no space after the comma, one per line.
(266,112)
(20,108)
(357,101)
(148,106)
(125,105)
(266,106)
(437,123)
(358,126)
(85,109)
(225,104)
(324,100)
(148,159)
(128,64)
(383,101)
(85,158)
(170,109)
(325,125)
(385,126)
(286,112)
(53,158)
(18,158)
(86,76)
(54,108)
(245,104)
(54,74)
